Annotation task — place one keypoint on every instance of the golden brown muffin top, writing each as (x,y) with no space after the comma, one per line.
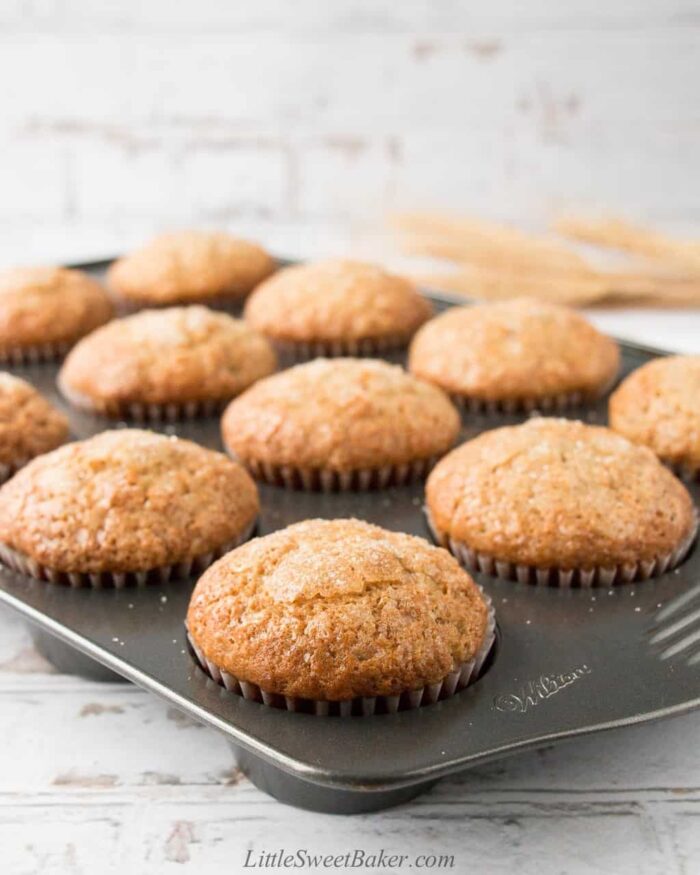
(125,500)
(340,414)
(514,349)
(159,356)
(659,405)
(553,493)
(336,299)
(29,425)
(184,267)
(41,305)
(330,610)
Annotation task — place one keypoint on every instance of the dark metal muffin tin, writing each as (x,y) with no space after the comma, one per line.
(568,662)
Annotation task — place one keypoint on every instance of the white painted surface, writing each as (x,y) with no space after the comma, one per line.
(303,123)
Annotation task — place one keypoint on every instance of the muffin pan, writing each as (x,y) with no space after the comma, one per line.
(567,661)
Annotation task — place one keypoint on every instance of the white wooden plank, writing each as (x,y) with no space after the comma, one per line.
(541,123)
(683,831)
(479,839)
(67,841)
(366,82)
(136,836)
(343,15)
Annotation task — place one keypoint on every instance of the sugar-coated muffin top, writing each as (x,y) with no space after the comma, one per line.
(125,500)
(658,405)
(336,299)
(330,610)
(517,349)
(29,425)
(49,305)
(178,354)
(340,414)
(184,267)
(553,493)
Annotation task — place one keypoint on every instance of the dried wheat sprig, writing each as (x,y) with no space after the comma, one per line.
(604,288)
(484,243)
(496,262)
(616,233)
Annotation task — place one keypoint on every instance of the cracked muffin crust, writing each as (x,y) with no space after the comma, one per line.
(658,405)
(331,610)
(340,415)
(554,493)
(337,302)
(124,501)
(161,357)
(45,310)
(519,352)
(29,425)
(189,267)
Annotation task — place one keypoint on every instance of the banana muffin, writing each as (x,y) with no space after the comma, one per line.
(514,355)
(189,267)
(556,501)
(335,424)
(340,617)
(337,307)
(658,405)
(123,506)
(45,310)
(165,364)
(29,425)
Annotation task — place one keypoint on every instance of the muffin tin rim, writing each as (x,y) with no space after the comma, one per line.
(376,780)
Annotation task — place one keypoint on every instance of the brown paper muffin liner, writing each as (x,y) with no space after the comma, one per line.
(544,403)
(24,564)
(553,403)
(33,355)
(477,561)
(326,480)
(462,676)
(369,347)
(146,413)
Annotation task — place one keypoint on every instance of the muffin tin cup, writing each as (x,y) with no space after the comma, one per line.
(684,471)
(585,578)
(228,303)
(327,480)
(143,412)
(370,347)
(462,676)
(34,355)
(9,469)
(24,564)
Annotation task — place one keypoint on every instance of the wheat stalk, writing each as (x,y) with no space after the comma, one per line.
(496,262)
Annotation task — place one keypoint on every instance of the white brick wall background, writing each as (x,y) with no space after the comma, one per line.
(305,122)
(119,116)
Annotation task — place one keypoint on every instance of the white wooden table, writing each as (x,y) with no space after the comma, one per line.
(104,778)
